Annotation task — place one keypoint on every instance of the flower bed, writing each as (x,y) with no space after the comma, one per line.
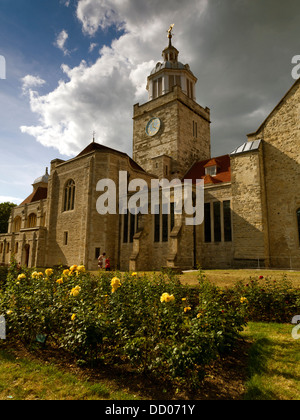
(156,324)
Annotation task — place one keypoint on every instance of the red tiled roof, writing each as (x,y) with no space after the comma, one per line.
(39,194)
(197,171)
(211,162)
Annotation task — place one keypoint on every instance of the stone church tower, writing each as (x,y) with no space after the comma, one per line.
(171,131)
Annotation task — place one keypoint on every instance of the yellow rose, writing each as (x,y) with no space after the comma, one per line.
(59,281)
(73,317)
(115,284)
(81,269)
(244,300)
(21,276)
(75,291)
(73,268)
(187,308)
(165,297)
(49,272)
(134,274)
(66,272)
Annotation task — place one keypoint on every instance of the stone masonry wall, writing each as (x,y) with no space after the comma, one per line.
(175,138)
(281,135)
(250,230)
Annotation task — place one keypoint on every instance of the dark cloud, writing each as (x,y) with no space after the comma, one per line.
(242,57)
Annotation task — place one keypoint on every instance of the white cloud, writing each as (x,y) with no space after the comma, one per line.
(97,14)
(93,45)
(9,199)
(100,96)
(61,40)
(30,81)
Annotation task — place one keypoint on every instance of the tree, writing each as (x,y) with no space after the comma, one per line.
(5,210)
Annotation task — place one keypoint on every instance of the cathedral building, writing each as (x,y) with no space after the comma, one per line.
(251,195)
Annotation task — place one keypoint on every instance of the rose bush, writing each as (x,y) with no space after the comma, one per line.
(268,300)
(155,323)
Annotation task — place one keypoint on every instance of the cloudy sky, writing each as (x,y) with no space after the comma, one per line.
(78,66)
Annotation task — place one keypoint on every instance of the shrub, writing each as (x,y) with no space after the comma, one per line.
(269,300)
(3,276)
(157,324)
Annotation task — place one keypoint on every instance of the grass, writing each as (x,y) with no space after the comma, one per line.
(27,379)
(273,367)
(228,278)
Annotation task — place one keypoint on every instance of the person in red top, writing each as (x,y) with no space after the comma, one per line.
(107,264)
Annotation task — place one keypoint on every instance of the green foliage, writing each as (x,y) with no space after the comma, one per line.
(5,210)
(269,300)
(157,324)
(3,276)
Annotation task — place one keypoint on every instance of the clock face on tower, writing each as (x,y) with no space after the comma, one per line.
(153,126)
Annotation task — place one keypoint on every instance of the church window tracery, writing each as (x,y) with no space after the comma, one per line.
(217,221)
(69,195)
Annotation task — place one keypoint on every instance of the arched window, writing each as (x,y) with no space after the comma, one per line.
(69,195)
(17,224)
(31,222)
(298,218)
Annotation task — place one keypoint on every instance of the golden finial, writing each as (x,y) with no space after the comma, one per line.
(170,30)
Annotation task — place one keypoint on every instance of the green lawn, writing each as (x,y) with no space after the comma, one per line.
(228,278)
(274,368)
(27,379)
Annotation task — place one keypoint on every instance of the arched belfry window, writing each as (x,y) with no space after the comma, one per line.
(298,219)
(69,195)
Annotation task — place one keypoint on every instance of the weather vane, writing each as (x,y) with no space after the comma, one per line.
(170,30)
